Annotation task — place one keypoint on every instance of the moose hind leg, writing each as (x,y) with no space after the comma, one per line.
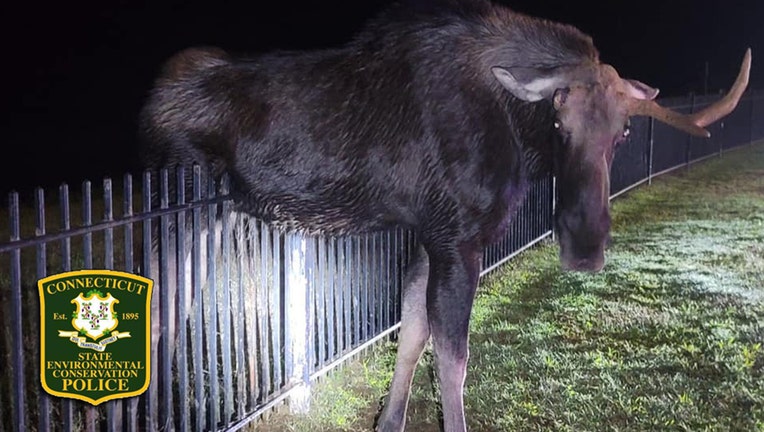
(413,336)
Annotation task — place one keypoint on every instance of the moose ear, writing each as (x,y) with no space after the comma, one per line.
(528,84)
(639,90)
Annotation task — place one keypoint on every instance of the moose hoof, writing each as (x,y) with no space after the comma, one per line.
(390,421)
(389,427)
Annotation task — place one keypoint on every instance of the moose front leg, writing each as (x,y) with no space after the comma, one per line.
(450,293)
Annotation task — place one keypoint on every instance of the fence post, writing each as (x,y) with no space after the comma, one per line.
(297,323)
(721,138)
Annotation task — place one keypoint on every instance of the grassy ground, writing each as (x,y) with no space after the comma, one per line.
(668,337)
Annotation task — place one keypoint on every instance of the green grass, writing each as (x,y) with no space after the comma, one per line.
(668,337)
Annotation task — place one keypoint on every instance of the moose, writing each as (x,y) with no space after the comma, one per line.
(434,118)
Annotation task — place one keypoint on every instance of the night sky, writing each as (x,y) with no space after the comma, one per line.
(76,73)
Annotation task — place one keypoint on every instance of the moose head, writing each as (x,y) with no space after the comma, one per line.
(592,106)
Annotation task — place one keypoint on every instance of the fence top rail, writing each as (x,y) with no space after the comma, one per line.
(103,225)
(211,196)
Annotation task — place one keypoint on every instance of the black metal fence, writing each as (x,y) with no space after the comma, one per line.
(235,329)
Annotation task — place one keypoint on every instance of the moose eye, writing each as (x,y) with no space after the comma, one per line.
(556,125)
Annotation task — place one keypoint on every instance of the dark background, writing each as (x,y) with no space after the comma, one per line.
(76,73)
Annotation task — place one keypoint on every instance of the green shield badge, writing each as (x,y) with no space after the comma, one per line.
(95,334)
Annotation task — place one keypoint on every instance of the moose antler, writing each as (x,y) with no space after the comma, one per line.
(694,123)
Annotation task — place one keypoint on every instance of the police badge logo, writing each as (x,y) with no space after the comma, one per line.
(95,334)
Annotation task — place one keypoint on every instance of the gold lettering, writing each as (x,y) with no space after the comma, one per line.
(108,387)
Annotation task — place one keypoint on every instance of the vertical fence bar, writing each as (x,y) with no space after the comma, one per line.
(67,409)
(380,288)
(225,318)
(309,293)
(401,271)
(339,288)
(357,310)
(352,303)
(388,273)
(212,283)
(87,220)
(275,309)
(540,228)
(114,407)
(550,203)
(363,293)
(267,262)
(150,397)
(127,212)
(182,296)
(166,303)
(320,296)
(242,249)
(553,197)
(543,202)
(397,265)
(17,358)
(530,209)
(354,263)
(108,216)
(369,274)
(131,405)
(66,242)
(345,305)
(331,298)
(198,334)
(91,413)
(289,280)
(375,277)
(43,408)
